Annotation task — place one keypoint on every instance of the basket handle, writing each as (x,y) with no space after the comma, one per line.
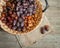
(46,6)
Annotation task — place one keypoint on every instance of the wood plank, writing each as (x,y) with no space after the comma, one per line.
(52,3)
(8,40)
(49,41)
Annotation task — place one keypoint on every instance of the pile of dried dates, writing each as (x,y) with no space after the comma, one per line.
(19,14)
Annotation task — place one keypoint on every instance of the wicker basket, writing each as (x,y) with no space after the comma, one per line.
(38,13)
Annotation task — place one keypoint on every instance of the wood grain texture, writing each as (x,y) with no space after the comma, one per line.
(8,40)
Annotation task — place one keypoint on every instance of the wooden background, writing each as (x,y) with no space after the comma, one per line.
(51,40)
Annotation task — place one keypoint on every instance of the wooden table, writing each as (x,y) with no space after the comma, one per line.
(51,40)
